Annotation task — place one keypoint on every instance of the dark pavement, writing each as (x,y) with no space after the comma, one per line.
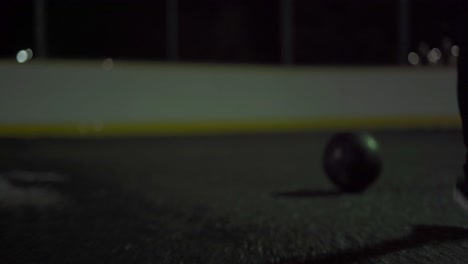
(227,199)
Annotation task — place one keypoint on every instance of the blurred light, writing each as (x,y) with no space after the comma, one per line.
(434,55)
(30,53)
(438,53)
(413,58)
(455,50)
(108,64)
(24,55)
(372,144)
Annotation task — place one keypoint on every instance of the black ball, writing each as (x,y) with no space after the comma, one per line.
(352,161)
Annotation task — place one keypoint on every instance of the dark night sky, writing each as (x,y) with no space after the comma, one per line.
(325,32)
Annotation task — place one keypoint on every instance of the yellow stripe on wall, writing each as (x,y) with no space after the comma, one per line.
(198,128)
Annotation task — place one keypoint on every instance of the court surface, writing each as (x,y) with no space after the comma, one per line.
(259,198)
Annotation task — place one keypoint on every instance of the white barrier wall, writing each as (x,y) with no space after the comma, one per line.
(56,92)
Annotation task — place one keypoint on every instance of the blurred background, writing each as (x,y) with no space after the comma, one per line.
(234,31)
(248,56)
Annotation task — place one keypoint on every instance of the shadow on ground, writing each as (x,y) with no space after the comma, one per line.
(420,235)
(306,193)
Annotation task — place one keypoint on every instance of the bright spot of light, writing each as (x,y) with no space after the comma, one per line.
(455,50)
(372,144)
(413,58)
(108,64)
(24,55)
(434,55)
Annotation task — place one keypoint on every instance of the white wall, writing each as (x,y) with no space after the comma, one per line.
(78,92)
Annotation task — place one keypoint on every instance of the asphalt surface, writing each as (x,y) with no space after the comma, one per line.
(227,199)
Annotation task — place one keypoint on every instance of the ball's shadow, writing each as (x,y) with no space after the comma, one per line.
(307,193)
